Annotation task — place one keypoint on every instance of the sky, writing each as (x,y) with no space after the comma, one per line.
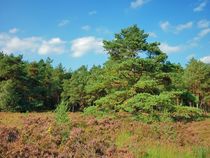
(71,31)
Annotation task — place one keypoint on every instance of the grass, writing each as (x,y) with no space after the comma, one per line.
(164,151)
(168,151)
(202,152)
(122,138)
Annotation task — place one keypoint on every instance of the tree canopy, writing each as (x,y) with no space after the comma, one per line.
(128,81)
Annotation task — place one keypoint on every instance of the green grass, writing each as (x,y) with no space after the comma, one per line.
(123,138)
(202,152)
(164,151)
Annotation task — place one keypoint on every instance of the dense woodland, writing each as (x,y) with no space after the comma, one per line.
(137,78)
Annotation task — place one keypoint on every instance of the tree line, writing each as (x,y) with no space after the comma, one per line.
(136,78)
(34,86)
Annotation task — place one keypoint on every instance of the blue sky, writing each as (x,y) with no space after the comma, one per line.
(71,31)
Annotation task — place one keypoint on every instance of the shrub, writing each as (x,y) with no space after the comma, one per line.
(61,114)
(184,113)
(146,85)
(145,102)
(92,110)
(97,112)
(8,96)
(62,126)
(111,101)
(147,118)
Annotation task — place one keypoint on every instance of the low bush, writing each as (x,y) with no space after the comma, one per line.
(61,114)
(184,113)
(145,102)
(63,124)
(97,112)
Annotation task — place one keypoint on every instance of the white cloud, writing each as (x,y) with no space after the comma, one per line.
(203,23)
(86,27)
(166,48)
(54,45)
(152,34)
(13,30)
(63,23)
(205,59)
(165,25)
(13,44)
(200,6)
(182,27)
(202,34)
(138,3)
(92,12)
(84,45)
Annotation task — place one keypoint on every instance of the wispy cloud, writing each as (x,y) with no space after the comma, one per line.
(152,34)
(84,45)
(138,3)
(201,34)
(167,26)
(92,12)
(63,23)
(86,27)
(13,30)
(166,48)
(184,26)
(204,32)
(203,23)
(200,6)
(14,44)
(205,59)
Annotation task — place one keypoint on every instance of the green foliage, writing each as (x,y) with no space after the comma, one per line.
(95,87)
(94,111)
(166,152)
(178,113)
(153,117)
(63,123)
(187,113)
(128,43)
(74,89)
(34,86)
(8,96)
(149,87)
(165,117)
(110,102)
(146,85)
(146,118)
(45,84)
(61,114)
(145,102)
(197,79)
(137,85)
(122,138)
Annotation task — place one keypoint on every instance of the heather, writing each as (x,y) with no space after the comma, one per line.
(39,135)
